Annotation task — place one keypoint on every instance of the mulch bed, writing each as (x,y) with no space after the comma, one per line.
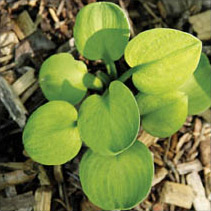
(31,31)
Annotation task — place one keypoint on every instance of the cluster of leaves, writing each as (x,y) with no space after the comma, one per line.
(116,172)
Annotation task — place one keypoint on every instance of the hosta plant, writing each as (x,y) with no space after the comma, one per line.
(173,80)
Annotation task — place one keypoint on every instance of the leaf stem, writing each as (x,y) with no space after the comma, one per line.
(111,68)
(126,75)
(92,82)
(103,77)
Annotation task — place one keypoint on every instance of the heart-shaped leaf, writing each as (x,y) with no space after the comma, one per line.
(64,78)
(198,87)
(51,135)
(166,58)
(164,114)
(101,31)
(117,182)
(109,124)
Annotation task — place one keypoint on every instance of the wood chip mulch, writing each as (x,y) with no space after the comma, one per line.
(32,30)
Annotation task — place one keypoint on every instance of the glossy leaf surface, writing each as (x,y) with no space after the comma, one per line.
(198,87)
(109,124)
(51,136)
(101,31)
(62,78)
(162,115)
(117,182)
(166,59)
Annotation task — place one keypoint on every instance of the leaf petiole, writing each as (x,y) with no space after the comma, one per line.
(111,68)
(126,75)
(92,82)
(103,77)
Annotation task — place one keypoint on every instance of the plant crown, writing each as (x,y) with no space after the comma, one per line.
(167,68)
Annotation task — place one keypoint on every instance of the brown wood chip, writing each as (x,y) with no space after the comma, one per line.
(201,24)
(188,167)
(177,194)
(160,174)
(200,202)
(25,81)
(147,139)
(25,200)
(25,24)
(43,199)
(15,178)
(12,102)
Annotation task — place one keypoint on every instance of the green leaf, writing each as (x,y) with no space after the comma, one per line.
(109,124)
(101,31)
(164,114)
(166,58)
(51,135)
(61,78)
(198,87)
(117,182)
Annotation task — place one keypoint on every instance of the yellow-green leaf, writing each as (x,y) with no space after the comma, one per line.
(166,58)
(162,115)
(101,31)
(109,124)
(61,77)
(198,87)
(117,182)
(51,135)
